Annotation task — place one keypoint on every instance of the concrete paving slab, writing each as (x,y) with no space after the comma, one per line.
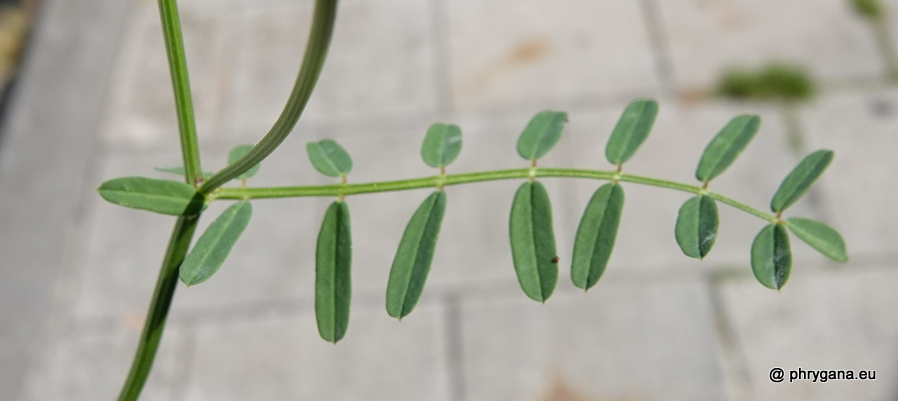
(825,320)
(646,341)
(860,191)
(825,36)
(504,52)
(141,107)
(282,358)
(380,62)
(92,365)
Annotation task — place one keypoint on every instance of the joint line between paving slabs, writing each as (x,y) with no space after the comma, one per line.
(659,45)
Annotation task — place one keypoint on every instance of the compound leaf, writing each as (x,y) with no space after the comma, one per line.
(696,227)
(596,234)
(533,241)
(213,247)
(819,236)
(771,256)
(441,145)
(541,134)
(631,130)
(799,181)
(414,256)
(238,152)
(160,196)
(329,158)
(726,146)
(333,285)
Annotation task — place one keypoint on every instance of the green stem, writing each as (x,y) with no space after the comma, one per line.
(313,61)
(159,306)
(177,64)
(446,180)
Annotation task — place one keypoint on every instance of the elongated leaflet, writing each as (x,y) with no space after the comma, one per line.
(333,286)
(160,196)
(329,158)
(726,146)
(799,181)
(541,134)
(180,171)
(415,254)
(631,130)
(441,145)
(771,256)
(215,244)
(238,152)
(596,234)
(696,228)
(533,241)
(819,236)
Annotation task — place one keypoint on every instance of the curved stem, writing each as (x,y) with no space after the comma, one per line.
(316,51)
(456,179)
(159,306)
(177,64)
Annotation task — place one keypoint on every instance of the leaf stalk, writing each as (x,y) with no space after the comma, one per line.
(457,179)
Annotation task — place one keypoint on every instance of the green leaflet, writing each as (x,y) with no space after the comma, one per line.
(180,171)
(333,286)
(541,134)
(726,146)
(329,158)
(213,247)
(800,179)
(596,234)
(771,257)
(696,227)
(441,145)
(237,153)
(415,254)
(533,241)
(160,196)
(819,236)
(631,130)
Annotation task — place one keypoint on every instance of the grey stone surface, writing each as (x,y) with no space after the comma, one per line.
(825,36)
(619,341)
(860,183)
(91,364)
(47,146)
(282,358)
(380,63)
(505,52)
(658,326)
(830,320)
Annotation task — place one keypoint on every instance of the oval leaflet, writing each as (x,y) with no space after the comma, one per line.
(329,158)
(213,247)
(441,146)
(696,228)
(533,241)
(771,256)
(333,284)
(596,234)
(414,256)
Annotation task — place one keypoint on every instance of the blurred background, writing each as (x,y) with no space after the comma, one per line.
(89,99)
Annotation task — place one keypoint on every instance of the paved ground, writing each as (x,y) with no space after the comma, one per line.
(95,103)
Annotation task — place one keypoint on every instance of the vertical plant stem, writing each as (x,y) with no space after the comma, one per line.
(159,306)
(177,64)
(316,51)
